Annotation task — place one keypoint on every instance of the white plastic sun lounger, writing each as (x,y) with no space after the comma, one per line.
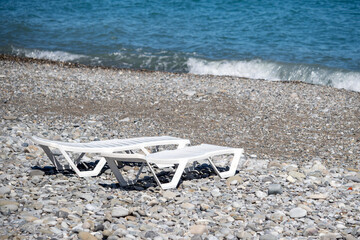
(180,157)
(102,147)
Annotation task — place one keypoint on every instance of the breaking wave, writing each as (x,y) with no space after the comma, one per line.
(49,55)
(260,69)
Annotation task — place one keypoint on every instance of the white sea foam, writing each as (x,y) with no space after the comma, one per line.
(50,55)
(260,69)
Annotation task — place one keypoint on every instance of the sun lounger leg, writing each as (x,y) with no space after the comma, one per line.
(176,178)
(92,173)
(139,172)
(71,163)
(114,168)
(52,158)
(233,166)
(79,158)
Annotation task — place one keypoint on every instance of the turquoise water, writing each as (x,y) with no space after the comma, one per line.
(308,40)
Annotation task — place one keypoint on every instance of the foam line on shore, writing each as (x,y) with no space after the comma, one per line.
(273,71)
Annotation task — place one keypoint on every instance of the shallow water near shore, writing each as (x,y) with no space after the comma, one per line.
(315,42)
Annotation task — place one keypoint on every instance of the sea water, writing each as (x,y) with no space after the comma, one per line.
(301,40)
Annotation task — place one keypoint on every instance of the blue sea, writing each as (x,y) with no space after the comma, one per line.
(290,40)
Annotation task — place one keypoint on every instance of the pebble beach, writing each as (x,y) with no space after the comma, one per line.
(299,177)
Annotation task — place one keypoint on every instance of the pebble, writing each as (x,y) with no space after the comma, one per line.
(275,189)
(278,216)
(169,194)
(5,190)
(62,214)
(216,192)
(233,180)
(151,234)
(291,179)
(86,236)
(36,173)
(297,212)
(119,212)
(318,196)
(268,237)
(311,231)
(354,178)
(188,206)
(260,194)
(297,175)
(197,229)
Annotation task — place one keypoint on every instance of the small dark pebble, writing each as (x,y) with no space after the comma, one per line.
(99,227)
(62,214)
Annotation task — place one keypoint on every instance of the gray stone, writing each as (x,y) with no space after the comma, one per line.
(311,231)
(297,175)
(268,237)
(189,93)
(34,173)
(188,206)
(119,212)
(9,208)
(86,196)
(5,190)
(62,214)
(56,230)
(354,178)
(151,234)
(169,194)
(91,207)
(275,189)
(99,227)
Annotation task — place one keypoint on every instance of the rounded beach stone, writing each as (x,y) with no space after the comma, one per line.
(275,189)
(260,194)
(86,236)
(151,234)
(36,173)
(216,192)
(119,212)
(197,229)
(5,190)
(297,212)
(188,205)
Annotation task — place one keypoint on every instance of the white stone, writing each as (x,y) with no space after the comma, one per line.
(119,212)
(215,192)
(297,212)
(260,194)
(90,207)
(189,93)
(291,179)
